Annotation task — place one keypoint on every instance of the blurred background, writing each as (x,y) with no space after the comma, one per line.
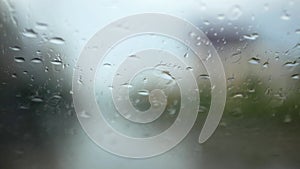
(259,45)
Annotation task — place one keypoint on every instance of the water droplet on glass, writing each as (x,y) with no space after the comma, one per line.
(37,99)
(110,87)
(295,76)
(108,65)
(235,13)
(206,22)
(15,48)
(24,107)
(202,109)
(29,33)
(172,111)
(133,56)
(192,34)
(251,90)
(54,100)
(84,114)
(155,103)
(236,56)
(221,16)
(143,92)
(266,65)
(41,26)
(285,15)
(291,64)
(56,62)
(189,68)
(266,6)
(287,119)
(252,36)
(137,101)
(57,40)
(297,31)
(145,80)
(127,85)
(204,76)
(19,59)
(237,112)
(36,60)
(238,95)
(254,61)
(166,75)
(186,55)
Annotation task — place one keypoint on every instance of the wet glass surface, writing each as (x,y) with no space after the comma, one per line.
(258,43)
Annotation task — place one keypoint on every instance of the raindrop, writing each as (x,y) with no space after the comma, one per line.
(36,60)
(238,95)
(285,15)
(235,13)
(206,22)
(254,61)
(202,109)
(108,65)
(57,40)
(268,91)
(192,34)
(189,68)
(166,75)
(266,65)
(84,114)
(291,64)
(133,56)
(172,111)
(110,87)
(252,36)
(127,115)
(297,45)
(237,112)
(155,103)
(236,56)
(223,124)
(127,85)
(143,92)
(15,48)
(41,26)
(19,59)
(297,31)
(80,80)
(37,99)
(209,55)
(221,16)
(266,6)
(137,101)
(29,33)
(251,90)
(186,55)
(295,76)
(14,75)
(287,119)
(23,107)
(204,76)
(56,62)
(54,100)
